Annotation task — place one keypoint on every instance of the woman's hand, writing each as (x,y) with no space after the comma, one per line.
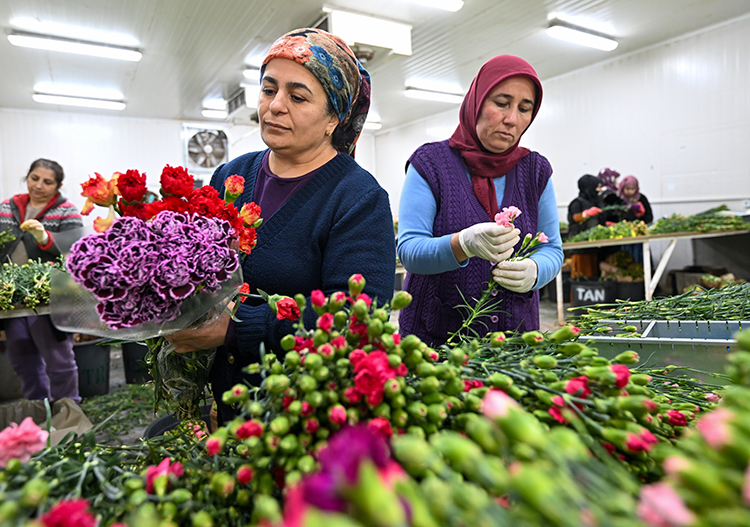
(518,276)
(488,241)
(206,336)
(37,231)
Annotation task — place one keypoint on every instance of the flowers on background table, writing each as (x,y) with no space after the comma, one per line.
(164,265)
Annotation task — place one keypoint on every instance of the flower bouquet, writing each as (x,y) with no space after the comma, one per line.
(161,267)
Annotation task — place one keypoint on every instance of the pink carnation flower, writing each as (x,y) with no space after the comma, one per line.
(661,506)
(542,237)
(497,403)
(714,427)
(507,216)
(21,441)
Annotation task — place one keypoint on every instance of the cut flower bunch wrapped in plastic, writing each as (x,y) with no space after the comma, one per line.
(165,265)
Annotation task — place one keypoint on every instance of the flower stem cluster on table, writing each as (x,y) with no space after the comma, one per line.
(506,429)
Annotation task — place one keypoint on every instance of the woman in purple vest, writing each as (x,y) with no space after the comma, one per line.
(448,241)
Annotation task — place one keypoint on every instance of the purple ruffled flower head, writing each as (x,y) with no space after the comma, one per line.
(142,271)
(348,448)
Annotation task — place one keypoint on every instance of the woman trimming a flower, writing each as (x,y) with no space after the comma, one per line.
(324,217)
(447,239)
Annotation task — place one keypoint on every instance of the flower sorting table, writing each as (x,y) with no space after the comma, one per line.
(650,280)
(24,312)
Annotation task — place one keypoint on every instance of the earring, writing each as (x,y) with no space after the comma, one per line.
(329,132)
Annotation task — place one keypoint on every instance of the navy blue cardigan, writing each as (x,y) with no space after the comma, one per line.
(338,224)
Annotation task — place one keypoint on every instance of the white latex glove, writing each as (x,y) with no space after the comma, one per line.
(489,241)
(37,231)
(518,276)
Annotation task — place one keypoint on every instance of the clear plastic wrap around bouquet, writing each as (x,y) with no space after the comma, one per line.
(164,267)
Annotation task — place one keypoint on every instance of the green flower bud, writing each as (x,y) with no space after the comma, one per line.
(280,425)
(314,399)
(457,356)
(294,408)
(472,403)
(332,397)
(743,339)
(546,362)
(202,519)
(417,410)
(387,341)
(425,369)
(570,349)
(132,484)
(307,383)
(445,371)
(497,339)
(340,320)
(256,409)
(436,413)
(398,401)
(321,374)
(352,416)
(180,496)
(13,466)
(433,398)
(410,343)
(399,418)
(320,337)
(484,434)
(400,300)
(288,342)
(34,492)
(390,328)
(564,333)
(276,384)
(8,512)
(138,498)
(288,444)
(500,380)
(243,497)
(453,386)
(360,310)
(313,361)
(462,453)
(413,359)
(168,511)
(532,338)
(428,384)
(277,368)
(627,357)
(382,410)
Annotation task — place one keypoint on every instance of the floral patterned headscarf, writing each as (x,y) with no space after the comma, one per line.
(344,80)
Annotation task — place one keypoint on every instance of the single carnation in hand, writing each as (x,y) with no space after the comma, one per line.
(175,181)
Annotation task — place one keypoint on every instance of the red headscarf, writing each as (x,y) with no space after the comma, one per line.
(482,164)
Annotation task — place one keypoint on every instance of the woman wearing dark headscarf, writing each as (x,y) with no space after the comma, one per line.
(324,217)
(585,211)
(448,241)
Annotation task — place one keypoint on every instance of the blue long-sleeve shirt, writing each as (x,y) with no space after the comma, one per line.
(422,253)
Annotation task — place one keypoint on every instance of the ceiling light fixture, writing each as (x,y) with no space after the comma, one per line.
(582,36)
(357,28)
(429,95)
(65,100)
(372,125)
(30,40)
(214,114)
(447,5)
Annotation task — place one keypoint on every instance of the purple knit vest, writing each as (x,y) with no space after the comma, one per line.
(434,312)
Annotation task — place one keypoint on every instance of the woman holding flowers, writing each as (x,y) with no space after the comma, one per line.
(324,217)
(448,242)
(41,355)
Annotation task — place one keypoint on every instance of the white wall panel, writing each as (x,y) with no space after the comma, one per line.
(84,144)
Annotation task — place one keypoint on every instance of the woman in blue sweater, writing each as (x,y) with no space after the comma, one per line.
(448,241)
(325,218)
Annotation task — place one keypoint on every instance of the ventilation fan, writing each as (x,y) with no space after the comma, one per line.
(205,149)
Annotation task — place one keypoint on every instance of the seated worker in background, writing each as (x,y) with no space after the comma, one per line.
(638,206)
(584,213)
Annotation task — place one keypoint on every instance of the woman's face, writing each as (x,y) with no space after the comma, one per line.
(629,191)
(42,185)
(292,109)
(505,114)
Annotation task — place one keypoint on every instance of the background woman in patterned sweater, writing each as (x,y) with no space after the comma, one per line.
(41,355)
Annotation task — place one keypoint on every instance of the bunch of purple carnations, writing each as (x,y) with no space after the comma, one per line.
(141,271)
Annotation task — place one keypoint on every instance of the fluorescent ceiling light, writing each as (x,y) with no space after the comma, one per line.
(371,125)
(355,28)
(214,114)
(28,40)
(40,27)
(214,104)
(64,100)
(581,36)
(447,5)
(73,90)
(427,95)
(252,94)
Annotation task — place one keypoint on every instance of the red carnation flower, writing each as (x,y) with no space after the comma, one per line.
(622,373)
(676,418)
(244,289)
(286,309)
(69,513)
(132,186)
(381,426)
(317,298)
(245,474)
(325,322)
(175,181)
(250,213)
(174,204)
(234,184)
(578,386)
(250,428)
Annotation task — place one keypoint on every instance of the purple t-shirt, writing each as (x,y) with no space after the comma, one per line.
(272,191)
